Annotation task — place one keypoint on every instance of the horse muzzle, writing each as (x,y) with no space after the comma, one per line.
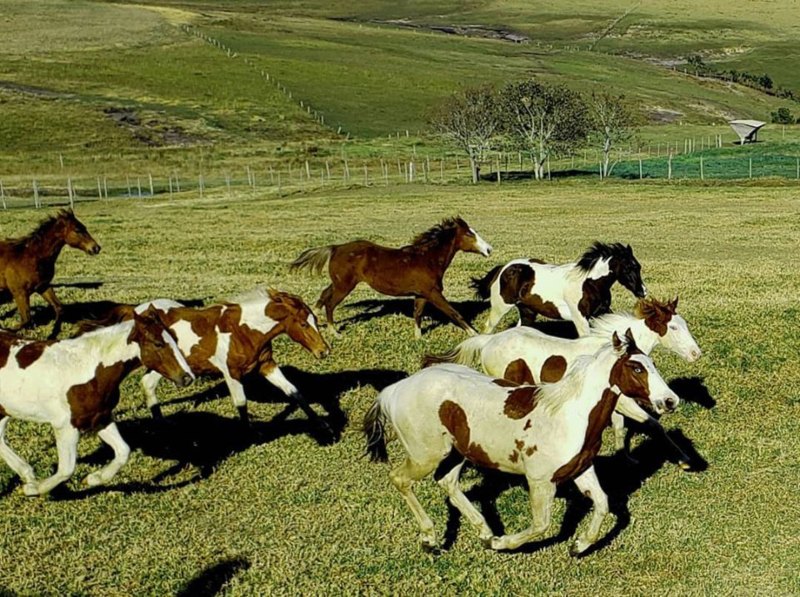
(321,354)
(94,249)
(184,380)
(667,404)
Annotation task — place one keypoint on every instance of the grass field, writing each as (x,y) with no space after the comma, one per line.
(204,505)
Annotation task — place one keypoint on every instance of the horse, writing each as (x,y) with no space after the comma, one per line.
(233,339)
(449,414)
(27,264)
(73,384)
(527,355)
(413,270)
(574,292)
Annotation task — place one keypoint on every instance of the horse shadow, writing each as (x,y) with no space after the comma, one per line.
(619,477)
(211,580)
(694,390)
(202,441)
(377,308)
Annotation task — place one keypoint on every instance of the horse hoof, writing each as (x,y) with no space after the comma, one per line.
(487,542)
(575,550)
(94,479)
(30,489)
(685,465)
(434,550)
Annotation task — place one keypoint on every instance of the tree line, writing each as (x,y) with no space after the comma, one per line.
(536,118)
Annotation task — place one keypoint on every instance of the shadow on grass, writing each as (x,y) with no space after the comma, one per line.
(693,389)
(212,580)
(7,592)
(619,477)
(376,308)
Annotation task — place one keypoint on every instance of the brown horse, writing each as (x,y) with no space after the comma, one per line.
(414,270)
(27,264)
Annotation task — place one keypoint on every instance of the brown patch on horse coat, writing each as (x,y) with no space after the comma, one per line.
(455,421)
(599,419)
(596,298)
(656,315)
(520,402)
(6,342)
(516,282)
(546,308)
(518,372)
(530,451)
(514,456)
(528,425)
(505,383)
(553,368)
(30,353)
(91,403)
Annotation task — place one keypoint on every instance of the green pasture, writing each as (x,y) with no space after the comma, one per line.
(206,506)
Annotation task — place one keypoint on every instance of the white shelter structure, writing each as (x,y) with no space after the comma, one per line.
(746,129)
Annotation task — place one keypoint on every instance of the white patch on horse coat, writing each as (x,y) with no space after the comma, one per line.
(187,339)
(176,351)
(254,316)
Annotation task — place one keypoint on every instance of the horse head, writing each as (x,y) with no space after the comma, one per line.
(468,240)
(298,321)
(75,233)
(672,329)
(635,375)
(627,270)
(158,349)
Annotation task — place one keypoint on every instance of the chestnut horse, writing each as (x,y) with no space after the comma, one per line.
(233,339)
(414,270)
(449,414)
(27,264)
(74,385)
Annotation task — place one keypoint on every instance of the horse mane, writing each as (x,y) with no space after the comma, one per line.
(597,251)
(437,233)
(605,325)
(42,229)
(254,295)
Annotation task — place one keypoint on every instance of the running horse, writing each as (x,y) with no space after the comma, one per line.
(574,292)
(74,385)
(413,270)
(27,264)
(449,414)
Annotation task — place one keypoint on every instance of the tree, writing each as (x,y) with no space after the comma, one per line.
(543,119)
(469,119)
(783,116)
(612,122)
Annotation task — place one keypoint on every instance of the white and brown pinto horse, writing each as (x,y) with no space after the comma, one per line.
(527,355)
(574,292)
(74,385)
(234,338)
(550,433)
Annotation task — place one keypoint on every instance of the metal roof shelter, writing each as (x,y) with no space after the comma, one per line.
(746,129)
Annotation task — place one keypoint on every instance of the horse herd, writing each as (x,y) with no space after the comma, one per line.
(539,408)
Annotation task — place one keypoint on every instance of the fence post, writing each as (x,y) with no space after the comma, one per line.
(152,191)
(69,192)
(99,189)
(35,194)
(750,170)
(669,167)
(3,195)
(640,168)
(702,174)
(139,186)
(228,182)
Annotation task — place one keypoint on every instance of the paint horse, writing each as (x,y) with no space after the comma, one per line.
(27,264)
(574,292)
(527,355)
(74,385)
(414,270)
(449,414)
(233,339)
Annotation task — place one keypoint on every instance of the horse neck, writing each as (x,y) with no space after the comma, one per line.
(442,252)
(107,345)
(47,244)
(595,384)
(603,327)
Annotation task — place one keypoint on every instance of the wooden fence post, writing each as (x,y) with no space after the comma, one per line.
(750,168)
(640,168)
(669,167)
(69,192)
(35,194)
(152,191)
(702,174)
(99,189)
(3,195)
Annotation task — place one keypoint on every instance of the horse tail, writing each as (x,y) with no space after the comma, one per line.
(113,315)
(375,433)
(464,354)
(483,286)
(314,259)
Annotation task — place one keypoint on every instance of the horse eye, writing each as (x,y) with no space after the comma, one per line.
(638,370)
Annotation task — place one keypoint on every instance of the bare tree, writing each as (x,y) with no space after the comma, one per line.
(469,119)
(613,122)
(543,120)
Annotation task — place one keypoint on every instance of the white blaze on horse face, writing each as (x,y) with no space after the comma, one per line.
(679,339)
(178,353)
(662,397)
(187,339)
(312,321)
(484,248)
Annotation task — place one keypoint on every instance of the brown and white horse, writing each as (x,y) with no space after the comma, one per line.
(233,339)
(414,270)
(574,292)
(550,434)
(74,385)
(525,354)
(27,264)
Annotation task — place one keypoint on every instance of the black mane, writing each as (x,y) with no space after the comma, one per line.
(437,233)
(43,229)
(599,251)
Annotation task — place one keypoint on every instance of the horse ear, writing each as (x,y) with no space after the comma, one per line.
(631,341)
(276,296)
(616,342)
(630,251)
(673,305)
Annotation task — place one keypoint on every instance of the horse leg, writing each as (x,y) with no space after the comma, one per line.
(21,299)
(336,296)
(419,306)
(274,375)
(66,445)
(150,381)
(590,487)
(627,407)
(437,300)
(498,308)
(110,435)
(618,425)
(450,484)
(50,296)
(324,297)
(541,495)
(581,323)
(402,478)
(17,464)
